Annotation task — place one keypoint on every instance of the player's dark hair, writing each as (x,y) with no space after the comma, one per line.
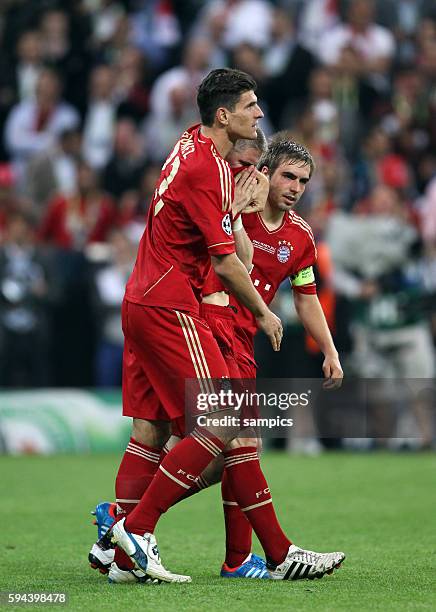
(260,143)
(222,87)
(281,150)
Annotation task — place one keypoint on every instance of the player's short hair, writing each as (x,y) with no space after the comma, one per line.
(259,143)
(222,87)
(281,150)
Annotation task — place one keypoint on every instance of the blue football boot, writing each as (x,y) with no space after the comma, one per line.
(102,553)
(253,567)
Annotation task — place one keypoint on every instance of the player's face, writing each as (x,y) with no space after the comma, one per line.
(242,122)
(247,157)
(287,185)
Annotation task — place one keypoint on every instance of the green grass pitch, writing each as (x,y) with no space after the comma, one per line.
(378,508)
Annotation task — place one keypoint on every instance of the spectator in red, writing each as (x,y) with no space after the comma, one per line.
(83,218)
(10,202)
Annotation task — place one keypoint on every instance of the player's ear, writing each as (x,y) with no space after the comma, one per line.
(222,116)
(265,170)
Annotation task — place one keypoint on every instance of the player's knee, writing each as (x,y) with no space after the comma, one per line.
(173,440)
(151,433)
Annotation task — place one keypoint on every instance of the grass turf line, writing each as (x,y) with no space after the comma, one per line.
(378,508)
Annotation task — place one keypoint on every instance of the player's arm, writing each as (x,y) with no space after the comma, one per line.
(311,315)
(235,277)
(243,244)
(210,211)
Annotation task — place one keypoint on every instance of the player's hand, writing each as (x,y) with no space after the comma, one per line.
(245,185)
(271,325)
(260,194)
(333,372)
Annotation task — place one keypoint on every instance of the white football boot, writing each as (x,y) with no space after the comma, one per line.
(301,563)
(144,553)
(120,576)
(100,558)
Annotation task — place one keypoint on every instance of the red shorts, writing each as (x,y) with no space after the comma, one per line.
(162,349)
(247,367)
(241,366)
(221,322)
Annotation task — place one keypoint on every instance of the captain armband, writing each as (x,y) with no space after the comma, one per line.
(303,277)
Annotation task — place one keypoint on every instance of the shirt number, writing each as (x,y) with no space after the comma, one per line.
(167,180)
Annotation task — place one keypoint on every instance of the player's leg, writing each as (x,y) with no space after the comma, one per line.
(171,347)
(239,561)
(137,470)
(140,460)
(183,348)
(150,427)
(252,493)
(166,339)
(150,432)
(198,355)
(246,481)
(210,476)
(143,452)
(244,476)
(238,528)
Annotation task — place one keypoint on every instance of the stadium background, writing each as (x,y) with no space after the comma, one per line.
(93,93)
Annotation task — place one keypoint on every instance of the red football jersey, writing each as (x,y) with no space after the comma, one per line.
(212,284)
(189,220)
(287,252)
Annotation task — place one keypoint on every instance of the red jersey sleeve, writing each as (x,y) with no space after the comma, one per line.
(212,284)
(209,206)
(303,279)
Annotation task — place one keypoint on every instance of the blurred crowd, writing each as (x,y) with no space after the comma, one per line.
(93,95)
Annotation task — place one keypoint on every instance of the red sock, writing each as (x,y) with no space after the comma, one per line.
(238,528)
(252,493)
(177,474)
(136,471)
(200,484)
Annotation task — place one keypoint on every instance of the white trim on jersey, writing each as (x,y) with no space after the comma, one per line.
(158,281)
(297,220)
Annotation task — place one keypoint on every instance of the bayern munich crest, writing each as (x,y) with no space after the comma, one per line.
(284,251)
